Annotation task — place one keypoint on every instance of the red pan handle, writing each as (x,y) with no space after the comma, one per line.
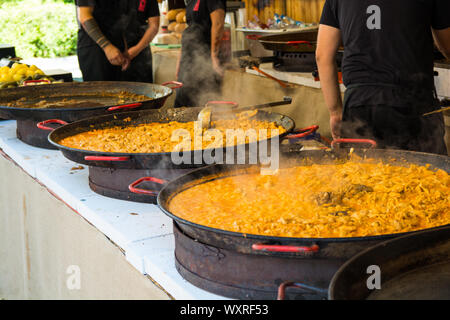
(286,249)
(357,141)
(233,104)
(287,284)
(301,133)
(176,84)
(299,42)
(132,187)
(42,125)
(125,106)
(29,82)
(101,158)
(252,37)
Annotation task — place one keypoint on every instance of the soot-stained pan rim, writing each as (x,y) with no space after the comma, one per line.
(163,203)
(136,113)
(121,86)
(121,154)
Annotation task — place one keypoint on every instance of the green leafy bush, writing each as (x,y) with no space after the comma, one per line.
(39,28)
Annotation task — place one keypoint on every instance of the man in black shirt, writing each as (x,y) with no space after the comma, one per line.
(114,38)
(387,70)
(199,68)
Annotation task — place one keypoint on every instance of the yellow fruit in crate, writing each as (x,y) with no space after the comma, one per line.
(4,69)
(38,71)
(22,71)
(8,78)
(18,77)
(30,73)
(33,68)
(16,66)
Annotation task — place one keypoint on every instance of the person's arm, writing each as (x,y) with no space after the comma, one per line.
(115,57)
(328,41)
(217,28)
(149,35)
(442,40)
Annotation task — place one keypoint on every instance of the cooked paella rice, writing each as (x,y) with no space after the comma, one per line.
(157,136)
(349,199)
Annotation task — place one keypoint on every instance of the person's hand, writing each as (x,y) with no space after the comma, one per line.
(133,52)
(126,63)
(217,67)
(114,56)
(336,125)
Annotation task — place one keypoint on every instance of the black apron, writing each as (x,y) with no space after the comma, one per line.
(395,127)
(96,67)
(200,82)
(116,20)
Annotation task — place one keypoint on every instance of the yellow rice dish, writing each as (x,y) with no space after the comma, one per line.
(157,137)
(351,199)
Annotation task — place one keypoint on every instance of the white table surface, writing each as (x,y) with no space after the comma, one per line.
(146,238)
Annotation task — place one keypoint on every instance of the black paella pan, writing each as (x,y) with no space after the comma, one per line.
(138,177)
(73,101)
(329,253)
(143,160)
(412,267)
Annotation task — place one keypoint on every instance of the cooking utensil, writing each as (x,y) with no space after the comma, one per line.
(206,113)
(245,242)
(302,41)
(88,102)
(281,83)
(412,267)
(437,111)
(295,52)
(321,256)
(89,99)
(145,160)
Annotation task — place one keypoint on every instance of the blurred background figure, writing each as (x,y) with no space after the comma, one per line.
(387,70)
(199,67)
(114,38)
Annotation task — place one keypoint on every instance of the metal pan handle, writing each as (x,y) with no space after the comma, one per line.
(285,249)
(42,125)
(31,82)
(287,284)
(299,42)
(133,189)
(125,106)
(231,103)
(301,133)
(372,143)
(104,158)
(252,37)
(176,84)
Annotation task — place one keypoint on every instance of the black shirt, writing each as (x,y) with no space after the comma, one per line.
(198,13)
(118,17)
(388,42)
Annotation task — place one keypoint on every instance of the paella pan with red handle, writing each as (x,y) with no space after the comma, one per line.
(74,101)
(313,254)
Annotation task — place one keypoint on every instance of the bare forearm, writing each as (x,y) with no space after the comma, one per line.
(216,37)
(217,29)
(149,35)
(329,82)
(442,40)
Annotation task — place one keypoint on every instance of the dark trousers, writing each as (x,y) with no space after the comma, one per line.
(396,127)
(95,66)
(200,82)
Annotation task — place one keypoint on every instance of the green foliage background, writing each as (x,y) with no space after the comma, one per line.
(39,28)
